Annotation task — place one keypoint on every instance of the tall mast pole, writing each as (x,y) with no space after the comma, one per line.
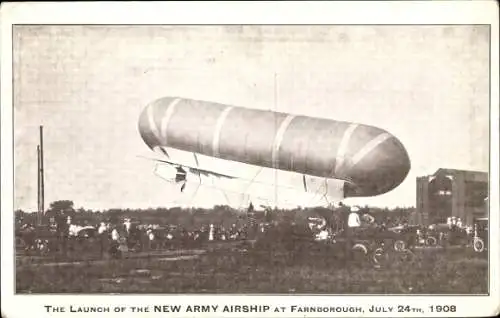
(275,125)
(38,178)
(42,186)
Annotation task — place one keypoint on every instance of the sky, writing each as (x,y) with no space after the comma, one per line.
(87,85)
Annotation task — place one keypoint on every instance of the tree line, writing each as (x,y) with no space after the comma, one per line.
(219,214)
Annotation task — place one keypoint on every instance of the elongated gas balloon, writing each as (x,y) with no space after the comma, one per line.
(369,159)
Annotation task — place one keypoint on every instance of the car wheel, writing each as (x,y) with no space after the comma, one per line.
(378,256)
(431,241)
(399,245)
(478,245)
(360,248)
(359,253)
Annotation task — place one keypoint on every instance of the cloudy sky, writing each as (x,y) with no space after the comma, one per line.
(427,85)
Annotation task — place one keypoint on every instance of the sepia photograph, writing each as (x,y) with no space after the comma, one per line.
(280,153)
(251,159)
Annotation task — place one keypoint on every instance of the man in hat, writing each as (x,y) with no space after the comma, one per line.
(343,214)
(102,232)
(354,220)
(368,219)
(353,223)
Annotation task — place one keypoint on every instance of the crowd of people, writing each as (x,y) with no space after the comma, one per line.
(117,236)
(127,234)
(114,237)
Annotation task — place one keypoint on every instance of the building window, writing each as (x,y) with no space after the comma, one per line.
(444,192)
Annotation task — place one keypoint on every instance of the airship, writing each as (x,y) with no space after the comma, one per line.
(221,145)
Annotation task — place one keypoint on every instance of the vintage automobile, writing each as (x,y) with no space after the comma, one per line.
(398,238)
(446,235)
(480,236)
(40,239)
(380,245)
(405,236)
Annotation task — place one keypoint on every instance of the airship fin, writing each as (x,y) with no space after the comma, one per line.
(194,170)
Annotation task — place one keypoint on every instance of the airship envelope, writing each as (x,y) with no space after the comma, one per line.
(368,159)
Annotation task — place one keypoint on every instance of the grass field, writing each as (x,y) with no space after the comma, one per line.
(228,270)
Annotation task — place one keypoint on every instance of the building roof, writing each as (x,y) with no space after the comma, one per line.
(469,175)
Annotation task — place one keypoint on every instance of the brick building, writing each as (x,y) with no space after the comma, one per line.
(450,192)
